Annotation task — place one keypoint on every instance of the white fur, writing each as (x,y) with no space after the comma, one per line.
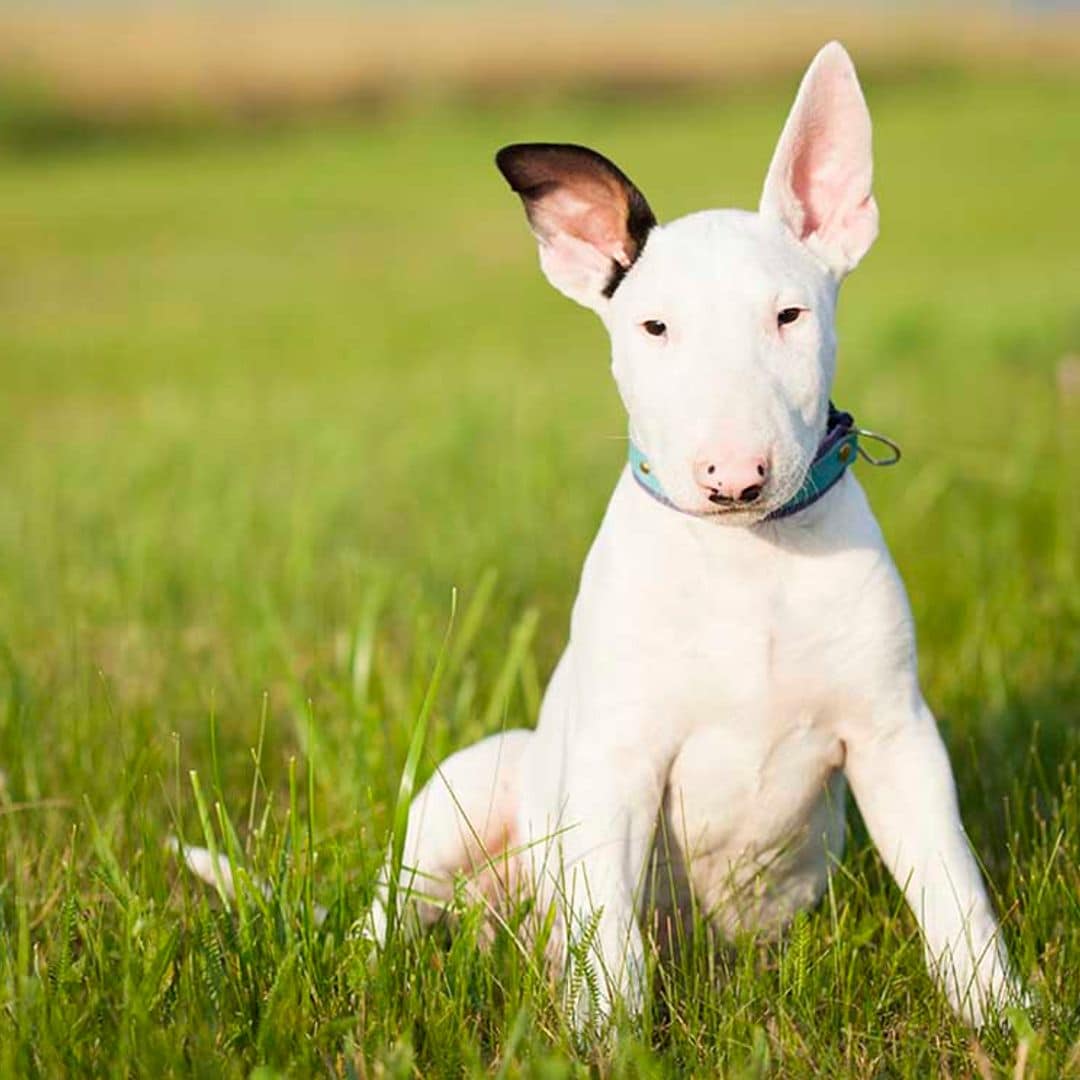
(726,674)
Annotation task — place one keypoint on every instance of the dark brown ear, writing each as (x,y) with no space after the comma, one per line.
(589,218)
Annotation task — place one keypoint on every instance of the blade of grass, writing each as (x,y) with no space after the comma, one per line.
(407,784)
(520,640)
(209,837)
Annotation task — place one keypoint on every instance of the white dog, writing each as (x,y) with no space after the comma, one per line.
(741,647)
(741,644)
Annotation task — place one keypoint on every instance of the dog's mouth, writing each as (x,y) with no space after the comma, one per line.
(735,513)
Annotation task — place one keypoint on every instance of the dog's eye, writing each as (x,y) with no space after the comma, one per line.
(788,315)
(654,327)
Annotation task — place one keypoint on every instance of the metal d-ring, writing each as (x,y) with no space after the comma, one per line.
(885,441)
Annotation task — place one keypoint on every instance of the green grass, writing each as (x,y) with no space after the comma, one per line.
(267,400)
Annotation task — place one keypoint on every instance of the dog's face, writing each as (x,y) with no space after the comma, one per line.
(722,322)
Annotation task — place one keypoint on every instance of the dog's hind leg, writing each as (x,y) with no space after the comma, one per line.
(461,824)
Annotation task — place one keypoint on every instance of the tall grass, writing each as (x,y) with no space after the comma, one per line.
(267,403)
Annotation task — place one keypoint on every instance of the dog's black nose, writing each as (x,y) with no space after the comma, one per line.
(747,495)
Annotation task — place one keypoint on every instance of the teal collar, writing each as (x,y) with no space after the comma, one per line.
(835,453)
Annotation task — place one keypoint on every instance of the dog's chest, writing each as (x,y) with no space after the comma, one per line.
(751,642)
(742,654)
(737,661)
(758,739)
(754,804)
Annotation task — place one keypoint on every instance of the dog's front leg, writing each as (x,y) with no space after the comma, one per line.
(903,783)
(612,800)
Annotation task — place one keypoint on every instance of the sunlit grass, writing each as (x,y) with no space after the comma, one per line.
(267,402)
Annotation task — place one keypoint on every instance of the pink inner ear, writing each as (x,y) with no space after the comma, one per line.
(586,211)
(589,217)
(831,165)
(819,181)
(576,267)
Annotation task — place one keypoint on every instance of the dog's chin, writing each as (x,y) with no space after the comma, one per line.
(731,515)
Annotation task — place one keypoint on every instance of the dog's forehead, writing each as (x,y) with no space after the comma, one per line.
(738,249)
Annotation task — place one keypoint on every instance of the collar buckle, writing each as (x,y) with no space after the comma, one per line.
(895,454)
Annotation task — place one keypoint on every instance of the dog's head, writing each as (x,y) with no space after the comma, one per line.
(722,322)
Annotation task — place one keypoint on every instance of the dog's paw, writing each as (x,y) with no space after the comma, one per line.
(983,995)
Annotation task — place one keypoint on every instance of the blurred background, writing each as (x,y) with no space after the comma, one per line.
(76,69)
(278,372)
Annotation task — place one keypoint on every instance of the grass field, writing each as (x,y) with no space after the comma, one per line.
(268,399)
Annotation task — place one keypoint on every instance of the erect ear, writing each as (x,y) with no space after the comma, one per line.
(590,220)
(819,180)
